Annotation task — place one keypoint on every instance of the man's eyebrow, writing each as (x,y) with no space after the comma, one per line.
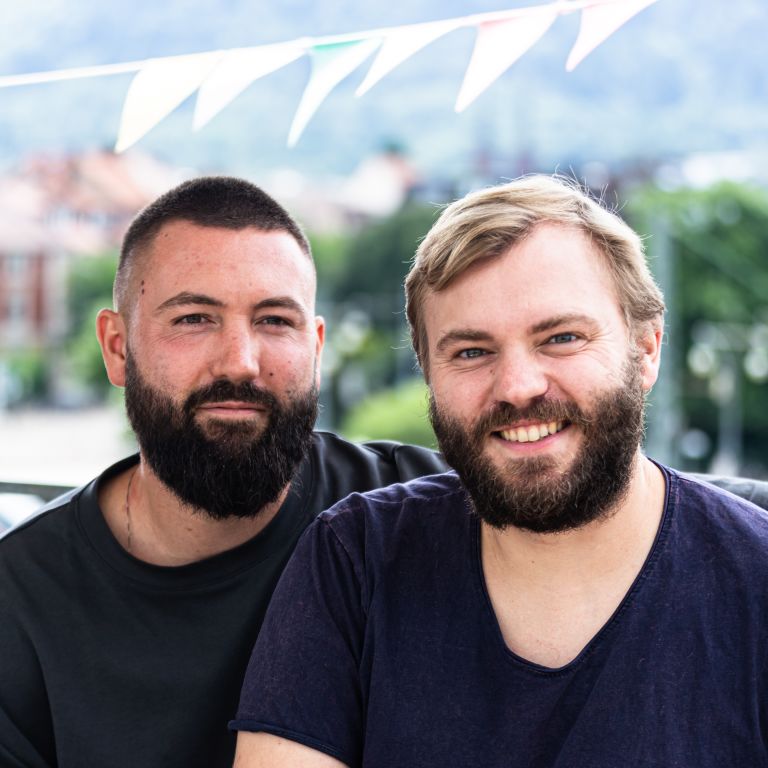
(460,335)
(554,322)
(280,302)
(185,298)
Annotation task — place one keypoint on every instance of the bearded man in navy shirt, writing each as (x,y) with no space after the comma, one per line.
(560,600)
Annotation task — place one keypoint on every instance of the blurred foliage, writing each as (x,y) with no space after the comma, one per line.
(718,241)
(29,370)
(379,255)
(399,413)
(330,252)
(364,279)
(84,353)
(90,283)
(90,289)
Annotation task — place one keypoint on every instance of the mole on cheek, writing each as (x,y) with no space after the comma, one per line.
(142,287)
(271,373)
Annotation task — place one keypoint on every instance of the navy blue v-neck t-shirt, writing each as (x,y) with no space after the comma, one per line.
(381,647)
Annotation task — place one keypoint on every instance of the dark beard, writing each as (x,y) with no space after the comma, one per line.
(228,469)
(530,493)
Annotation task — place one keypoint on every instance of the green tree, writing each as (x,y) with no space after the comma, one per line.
(90,289)
(718,238)
(363,278)
(379,255)
(399,413)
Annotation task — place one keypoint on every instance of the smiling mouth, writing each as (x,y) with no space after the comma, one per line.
(531,433)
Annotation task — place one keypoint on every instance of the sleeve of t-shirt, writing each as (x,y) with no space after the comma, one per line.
(302,681)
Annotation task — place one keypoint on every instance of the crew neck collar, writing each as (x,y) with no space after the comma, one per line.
(203,573)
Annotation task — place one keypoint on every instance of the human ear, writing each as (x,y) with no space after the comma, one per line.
(648,345)
(319,342)
(111,333)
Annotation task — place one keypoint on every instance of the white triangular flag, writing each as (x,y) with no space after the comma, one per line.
(236,71)
(400,44)
(331,63)
(158,88)
(498,46)
(598,23)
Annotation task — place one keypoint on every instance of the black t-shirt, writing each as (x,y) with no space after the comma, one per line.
(110,661)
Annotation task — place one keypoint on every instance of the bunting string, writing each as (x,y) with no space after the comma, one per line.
(502,37)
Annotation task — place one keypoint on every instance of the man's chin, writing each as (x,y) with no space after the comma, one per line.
(517,469)
(246,427)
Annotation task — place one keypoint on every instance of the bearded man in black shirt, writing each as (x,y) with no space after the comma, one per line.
(129,607)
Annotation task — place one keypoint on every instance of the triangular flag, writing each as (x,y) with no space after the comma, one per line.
(331,63)
(235,72)
(498,45)
(400,44)
(158,88)
(599,22)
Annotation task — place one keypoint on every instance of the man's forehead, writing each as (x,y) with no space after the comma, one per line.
(187,234)
(181,243)
(556,271)
(223,263)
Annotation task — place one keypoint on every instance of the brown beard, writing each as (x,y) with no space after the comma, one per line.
(225,469)
(530,493)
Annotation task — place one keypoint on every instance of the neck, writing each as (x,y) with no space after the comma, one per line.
(618,542)
(551,593)
(150,522)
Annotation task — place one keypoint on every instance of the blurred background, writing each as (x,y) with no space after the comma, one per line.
(667,120)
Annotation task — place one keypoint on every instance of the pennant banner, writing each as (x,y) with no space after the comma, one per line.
(162,84)
(400,45)
(235,72)
(498,46)
(598,23)
(330,65)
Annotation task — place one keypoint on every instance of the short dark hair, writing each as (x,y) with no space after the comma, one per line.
(208,201)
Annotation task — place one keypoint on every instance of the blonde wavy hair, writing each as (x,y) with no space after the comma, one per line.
(486,223)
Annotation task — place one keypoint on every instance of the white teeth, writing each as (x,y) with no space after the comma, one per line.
(531,434)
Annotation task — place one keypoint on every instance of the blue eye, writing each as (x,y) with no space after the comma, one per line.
(562,338)
(468,354)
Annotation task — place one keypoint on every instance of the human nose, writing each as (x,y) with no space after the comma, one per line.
(236,356)
(518,379)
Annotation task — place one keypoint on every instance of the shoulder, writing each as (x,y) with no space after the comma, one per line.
(43,519)
(755,491)
(378,452)
(421,493)
(342,467)
(55,521)
(34,552)
(400,513)
(388,535)
(718,518)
